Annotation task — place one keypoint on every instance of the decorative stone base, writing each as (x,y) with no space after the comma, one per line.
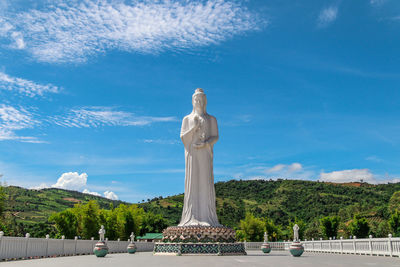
(131,248)
(198,234)
(296,249)
(265,247)
(179,249)
(100,249)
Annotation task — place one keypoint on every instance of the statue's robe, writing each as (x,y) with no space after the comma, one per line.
(199,202)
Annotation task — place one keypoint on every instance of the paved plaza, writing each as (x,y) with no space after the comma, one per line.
(254,258)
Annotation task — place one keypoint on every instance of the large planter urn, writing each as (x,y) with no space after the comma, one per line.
(100,249)
(266,248)
(296,249)
(131,248)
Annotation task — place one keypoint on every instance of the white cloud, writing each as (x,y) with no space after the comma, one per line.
(374,159)
(12,120)
(41,186)
(105,116)
(110,195)
(343,176)
(71,181)
(25,87)
(327,16)
(276,168)
(18,39)
(294,167)
(74,30)
(377,2)
(85,191)
(161,141)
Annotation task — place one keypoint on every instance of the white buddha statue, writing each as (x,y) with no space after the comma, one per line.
(199,133)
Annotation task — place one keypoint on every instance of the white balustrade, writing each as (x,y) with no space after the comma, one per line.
(361,246)
(27,247)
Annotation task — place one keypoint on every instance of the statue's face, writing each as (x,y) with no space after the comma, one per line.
(199,102)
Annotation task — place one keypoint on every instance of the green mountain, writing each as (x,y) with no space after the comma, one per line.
(280,200)
(284,200)
(28,210)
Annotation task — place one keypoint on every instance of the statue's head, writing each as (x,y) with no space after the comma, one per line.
(199,100)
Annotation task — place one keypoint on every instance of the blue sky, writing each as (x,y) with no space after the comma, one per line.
(92,93)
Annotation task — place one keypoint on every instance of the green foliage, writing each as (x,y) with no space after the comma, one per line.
(66,223)
(153,223)
(89,219)
(2,200)
(383,229)
(253,228)
(394,223)
(359,227)
(274,232)
(240,236)
(329,226)
(129,219)
(313,230)
(394,202)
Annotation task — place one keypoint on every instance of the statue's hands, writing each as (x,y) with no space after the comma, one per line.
(196,122)
(200,145)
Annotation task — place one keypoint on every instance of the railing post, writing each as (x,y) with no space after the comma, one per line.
(370,245)
(63,245)
(390,245)
(47,245)
(312,239)
(93,244)
(76,244)
(26,246)
(1,240)
(330,244)
(341,245)
(354,245)
(320,244)
(119,245)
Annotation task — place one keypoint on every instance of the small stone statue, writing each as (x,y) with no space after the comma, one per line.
(132,236)
(265,237)
(132,247)
(101,249)
(102,232)
(296,232)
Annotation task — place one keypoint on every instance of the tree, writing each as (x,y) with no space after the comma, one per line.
(313,230)
(329,226)
(394,202)
(153,223)
(129,220)
(359,226)
(253,228)
(383,229)
(90,220)
(66,223)
(394,223)
(274,232)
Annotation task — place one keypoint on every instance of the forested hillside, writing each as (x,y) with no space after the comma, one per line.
(281,202)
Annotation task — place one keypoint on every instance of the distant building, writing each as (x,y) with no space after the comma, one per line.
(150,237)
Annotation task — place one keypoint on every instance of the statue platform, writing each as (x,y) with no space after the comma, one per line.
(199,240)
